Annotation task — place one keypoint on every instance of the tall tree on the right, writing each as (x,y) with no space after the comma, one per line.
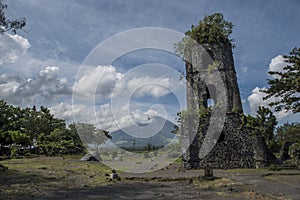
(286,84)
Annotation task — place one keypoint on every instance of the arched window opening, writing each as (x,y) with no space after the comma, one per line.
(210,102)
(211,95)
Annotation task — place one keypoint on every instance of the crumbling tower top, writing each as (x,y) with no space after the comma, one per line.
(212,33)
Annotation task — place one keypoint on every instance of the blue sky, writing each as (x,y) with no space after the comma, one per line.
(61,33)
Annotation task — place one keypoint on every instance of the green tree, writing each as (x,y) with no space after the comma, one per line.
(52,143)
(288,132)
(25,127)
(212,29)
(5,113)
(91,135)
(8,24)
(15,140)
(19,138)
(286,84)
(72,134)
(61,141)
(264,123)
(267,122)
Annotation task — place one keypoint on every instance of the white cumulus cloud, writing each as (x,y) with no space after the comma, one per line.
(43,87)
(66,111)
(256,99)
(107,82)
(277,64)
(99,81)
(49,72)
(148,86)
(103,117)
(12,47)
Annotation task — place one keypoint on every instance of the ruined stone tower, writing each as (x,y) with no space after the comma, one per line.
(221,56)
(235,146)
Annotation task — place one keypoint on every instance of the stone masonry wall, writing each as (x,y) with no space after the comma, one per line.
(237,146)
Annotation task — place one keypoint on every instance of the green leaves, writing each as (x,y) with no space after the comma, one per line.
(289,132)
(286,84)
(25,127)
(60,141)
(19,138)
(7,24)
(263,123)
(212,29)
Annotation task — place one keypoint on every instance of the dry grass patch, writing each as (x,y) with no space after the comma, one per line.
(215,184)
(35,176)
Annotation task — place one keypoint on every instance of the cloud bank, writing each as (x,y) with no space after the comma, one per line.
(256,98)
(43,87)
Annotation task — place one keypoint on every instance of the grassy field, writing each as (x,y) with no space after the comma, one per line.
(33,177)
(69,178)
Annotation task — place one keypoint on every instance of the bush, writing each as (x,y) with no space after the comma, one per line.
(294,151)
(13,152)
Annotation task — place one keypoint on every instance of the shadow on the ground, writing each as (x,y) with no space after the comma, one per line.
(135,190)
(16,185)
(74,180)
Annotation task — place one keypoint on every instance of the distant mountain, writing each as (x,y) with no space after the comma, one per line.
(162,138)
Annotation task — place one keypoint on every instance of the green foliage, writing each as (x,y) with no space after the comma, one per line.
(7,24)
(148,148)
(90,134)
(192,118)
(286,84)
(28,126)
(288,132)
(13,152)
(294,151)
(201,113)
(213,29)
(213,66)
(263,123)
(19,138)
(235,110)
(275,145)
(53,143)
(61,141)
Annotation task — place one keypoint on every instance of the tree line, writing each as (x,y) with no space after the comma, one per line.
(264,123)
(28,130)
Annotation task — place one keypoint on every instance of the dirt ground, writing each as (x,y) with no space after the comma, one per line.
(231,184)
(57,178)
